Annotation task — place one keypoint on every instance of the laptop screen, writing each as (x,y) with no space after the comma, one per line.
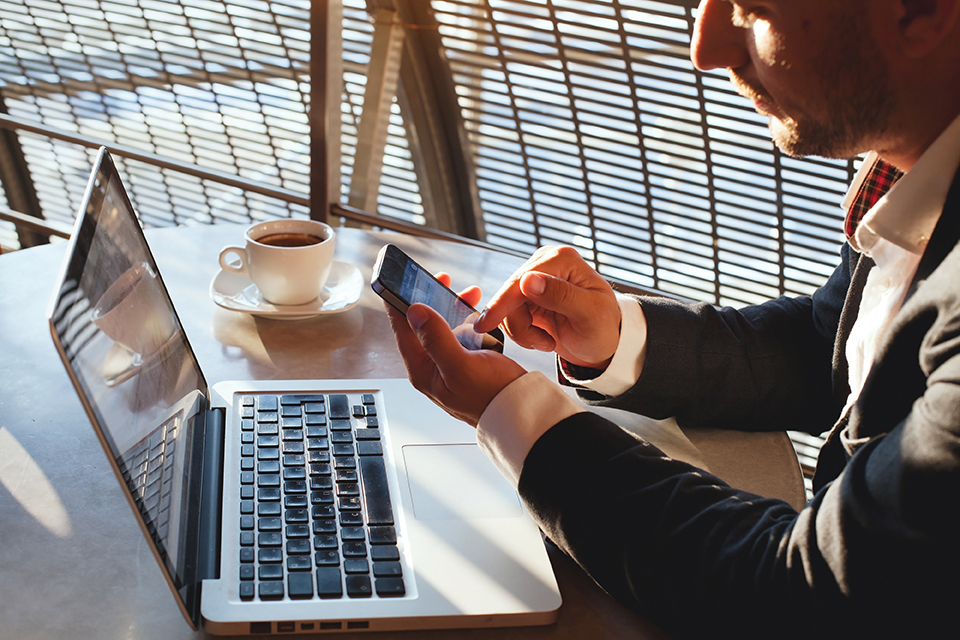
(123,344)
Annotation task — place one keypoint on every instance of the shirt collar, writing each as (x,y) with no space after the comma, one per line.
(908,213)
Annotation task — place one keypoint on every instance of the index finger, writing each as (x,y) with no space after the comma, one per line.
(503,303)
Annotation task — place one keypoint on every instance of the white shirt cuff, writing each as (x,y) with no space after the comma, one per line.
(624,369)
(516,418)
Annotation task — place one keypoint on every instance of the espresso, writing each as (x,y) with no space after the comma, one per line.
(290,239)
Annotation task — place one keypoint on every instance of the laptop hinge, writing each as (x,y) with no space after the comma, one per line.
(211,492)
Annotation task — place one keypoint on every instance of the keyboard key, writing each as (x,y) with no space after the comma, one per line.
(246,412)
(268,441)
(268,454)
(389,587)
(267,416)
(355,565)
(268,495)
(324,496)
(384,552)
(323,526)
(295,486)
(246,590)
(293,460)
(295,501)
(267,403)
(300,585)
(317,443)
(320,469)
(350,518)
(313,419)
(247,554)
(291,423)
(325,541)
(298,547)
(338,437)
(372,422)
(297,398)
(321,482)
(268,480)
(268,466)
(268,509)
(358,411)
(246,477)
(246,523)
(367,398)
(345,462)
(355,549)
(247,572)
(352,533)
(349,504)
(293,446)
(246,425)
(269,539)
(268,429)
(271,523)
(290,411)
(339,406)
(347,475)
(246,450)
(383,535)
(340,425)
(318,456)
(368,434)
(371,411)
(299,563)
(376,493)
(246,464)
(270,556)
(343,449)
(319,511)
(272,590)
(369,448)
(327,557)
(294,473)
(296,515)
(295,531)
(358,586)
(348,489)
(246,538)
(316,431)
(313,407)
(271,571)
(387,569)
(328,582)
(246,492)
(292,434)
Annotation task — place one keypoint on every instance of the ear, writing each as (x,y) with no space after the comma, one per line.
(924,24)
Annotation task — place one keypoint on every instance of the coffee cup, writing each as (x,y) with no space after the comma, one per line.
(134,312)
(289,260)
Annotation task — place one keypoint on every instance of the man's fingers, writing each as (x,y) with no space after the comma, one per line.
(558,295)
(435,337)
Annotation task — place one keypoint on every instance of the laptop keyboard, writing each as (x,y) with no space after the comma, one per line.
(316,519)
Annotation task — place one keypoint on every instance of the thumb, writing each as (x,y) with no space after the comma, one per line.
(435,336)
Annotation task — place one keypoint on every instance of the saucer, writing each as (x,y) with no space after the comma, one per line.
(340,293)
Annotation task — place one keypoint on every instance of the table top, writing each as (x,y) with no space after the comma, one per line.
(72,556)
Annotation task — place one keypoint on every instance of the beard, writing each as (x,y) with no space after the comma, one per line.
(851,109)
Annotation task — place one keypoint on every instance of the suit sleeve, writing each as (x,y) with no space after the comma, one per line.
(761,368)
(703,560)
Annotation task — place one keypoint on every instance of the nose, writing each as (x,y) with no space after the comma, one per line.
(716,42)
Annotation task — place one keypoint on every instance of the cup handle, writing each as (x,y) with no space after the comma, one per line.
(241,254)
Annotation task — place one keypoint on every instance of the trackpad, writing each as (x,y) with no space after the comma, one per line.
(457,482)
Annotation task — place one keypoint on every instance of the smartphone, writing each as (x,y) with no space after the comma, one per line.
(399,280)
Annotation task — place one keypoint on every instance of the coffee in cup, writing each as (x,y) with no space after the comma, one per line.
(289,260)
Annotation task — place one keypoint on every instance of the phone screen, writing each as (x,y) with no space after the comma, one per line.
(403,282)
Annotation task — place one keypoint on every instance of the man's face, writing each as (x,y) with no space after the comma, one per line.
(813,66)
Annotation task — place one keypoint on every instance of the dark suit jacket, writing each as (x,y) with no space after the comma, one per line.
(876,553)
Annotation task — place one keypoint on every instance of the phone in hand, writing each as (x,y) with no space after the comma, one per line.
(399,280)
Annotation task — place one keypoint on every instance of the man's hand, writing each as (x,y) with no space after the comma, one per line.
(557,302)
(462,382)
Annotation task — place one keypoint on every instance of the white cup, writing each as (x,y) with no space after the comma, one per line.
(281,259)
(134,312)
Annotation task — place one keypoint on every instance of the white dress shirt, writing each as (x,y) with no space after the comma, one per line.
(894,233)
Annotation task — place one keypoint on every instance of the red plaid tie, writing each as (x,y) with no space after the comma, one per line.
(879,180)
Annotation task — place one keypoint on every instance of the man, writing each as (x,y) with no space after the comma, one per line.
(873,356)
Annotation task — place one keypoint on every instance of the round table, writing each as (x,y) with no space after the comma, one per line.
(74,561)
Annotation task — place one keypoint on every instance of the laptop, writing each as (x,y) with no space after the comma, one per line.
(284,506)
